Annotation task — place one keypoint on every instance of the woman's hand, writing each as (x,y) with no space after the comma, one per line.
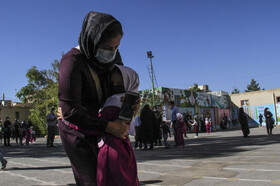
(118,128)
(59,113)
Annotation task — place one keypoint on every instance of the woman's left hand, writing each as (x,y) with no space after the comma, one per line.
(59,113)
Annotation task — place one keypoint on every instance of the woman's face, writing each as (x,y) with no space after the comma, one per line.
(112,44)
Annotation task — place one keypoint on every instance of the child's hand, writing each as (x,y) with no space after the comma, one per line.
(118,128)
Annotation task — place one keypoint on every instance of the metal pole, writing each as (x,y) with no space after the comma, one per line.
(152,81)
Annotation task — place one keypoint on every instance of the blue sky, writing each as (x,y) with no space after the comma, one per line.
(222,43)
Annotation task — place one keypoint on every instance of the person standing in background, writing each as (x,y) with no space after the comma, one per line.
(52,121)
(165,132)
(260,119)
(137,123)
(7,131)
(17,131)
(243,122)
(269,121)
(157,130)
(181,125)
(174,111)
(148,122)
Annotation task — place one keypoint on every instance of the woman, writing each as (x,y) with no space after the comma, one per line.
(243,122)
(181,125)
(269,121)
(80,97)
(148,121)
(260,119)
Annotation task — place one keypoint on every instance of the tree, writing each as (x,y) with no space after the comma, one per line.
(253,86)
(195,88)
(41,90)
(235,91)
(147,99)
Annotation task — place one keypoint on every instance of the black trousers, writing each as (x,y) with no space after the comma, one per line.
(7,137)
(51,134)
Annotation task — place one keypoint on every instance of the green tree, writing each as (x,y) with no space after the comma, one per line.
(253,86)
(235,91)
(195,88)
(147,99)
(41,90)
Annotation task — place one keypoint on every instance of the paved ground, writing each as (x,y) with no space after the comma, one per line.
(221,158)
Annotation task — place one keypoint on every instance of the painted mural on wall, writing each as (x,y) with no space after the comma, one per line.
(220,101)
(221,113)
(209,113)
(253,113)
(187,98)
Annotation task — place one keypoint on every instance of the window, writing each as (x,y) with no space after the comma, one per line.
(244,103)
(17,115)
(277,99)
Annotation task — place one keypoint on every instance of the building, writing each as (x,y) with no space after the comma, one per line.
(14,110)
(210,104)
(254,104)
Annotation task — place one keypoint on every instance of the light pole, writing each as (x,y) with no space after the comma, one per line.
(150,55)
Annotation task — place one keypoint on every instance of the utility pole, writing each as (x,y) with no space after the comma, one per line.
(150,55)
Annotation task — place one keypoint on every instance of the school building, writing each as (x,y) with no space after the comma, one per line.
(14,110)
(215,104)
(254,104)
(210,104)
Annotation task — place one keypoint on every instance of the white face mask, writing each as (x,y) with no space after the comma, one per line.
(105,56)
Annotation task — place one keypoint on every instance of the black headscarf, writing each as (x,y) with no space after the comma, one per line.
(93,26)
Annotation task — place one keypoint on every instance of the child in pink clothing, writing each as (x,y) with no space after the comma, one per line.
(208,125)
(116,162)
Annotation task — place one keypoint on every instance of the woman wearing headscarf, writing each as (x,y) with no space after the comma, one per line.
(147,127)
(80,96)
(181,125)
(269,121)
(243,122)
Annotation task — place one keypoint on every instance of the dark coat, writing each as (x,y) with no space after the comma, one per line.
(268,120)
(157,131)
(244,124)
(147,127)
(77,91)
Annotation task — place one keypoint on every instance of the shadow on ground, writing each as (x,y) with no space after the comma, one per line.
(207,147)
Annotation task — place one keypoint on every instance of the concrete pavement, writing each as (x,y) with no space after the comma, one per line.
(220,158)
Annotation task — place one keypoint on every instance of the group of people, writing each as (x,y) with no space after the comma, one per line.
(147,128)
(18,131)
(243,119)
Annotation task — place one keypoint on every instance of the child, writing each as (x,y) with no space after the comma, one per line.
(33,135)
(3,161)
(194,123)
(180,124)
(27,135)
(208,125)
(165,132)
(116,162)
